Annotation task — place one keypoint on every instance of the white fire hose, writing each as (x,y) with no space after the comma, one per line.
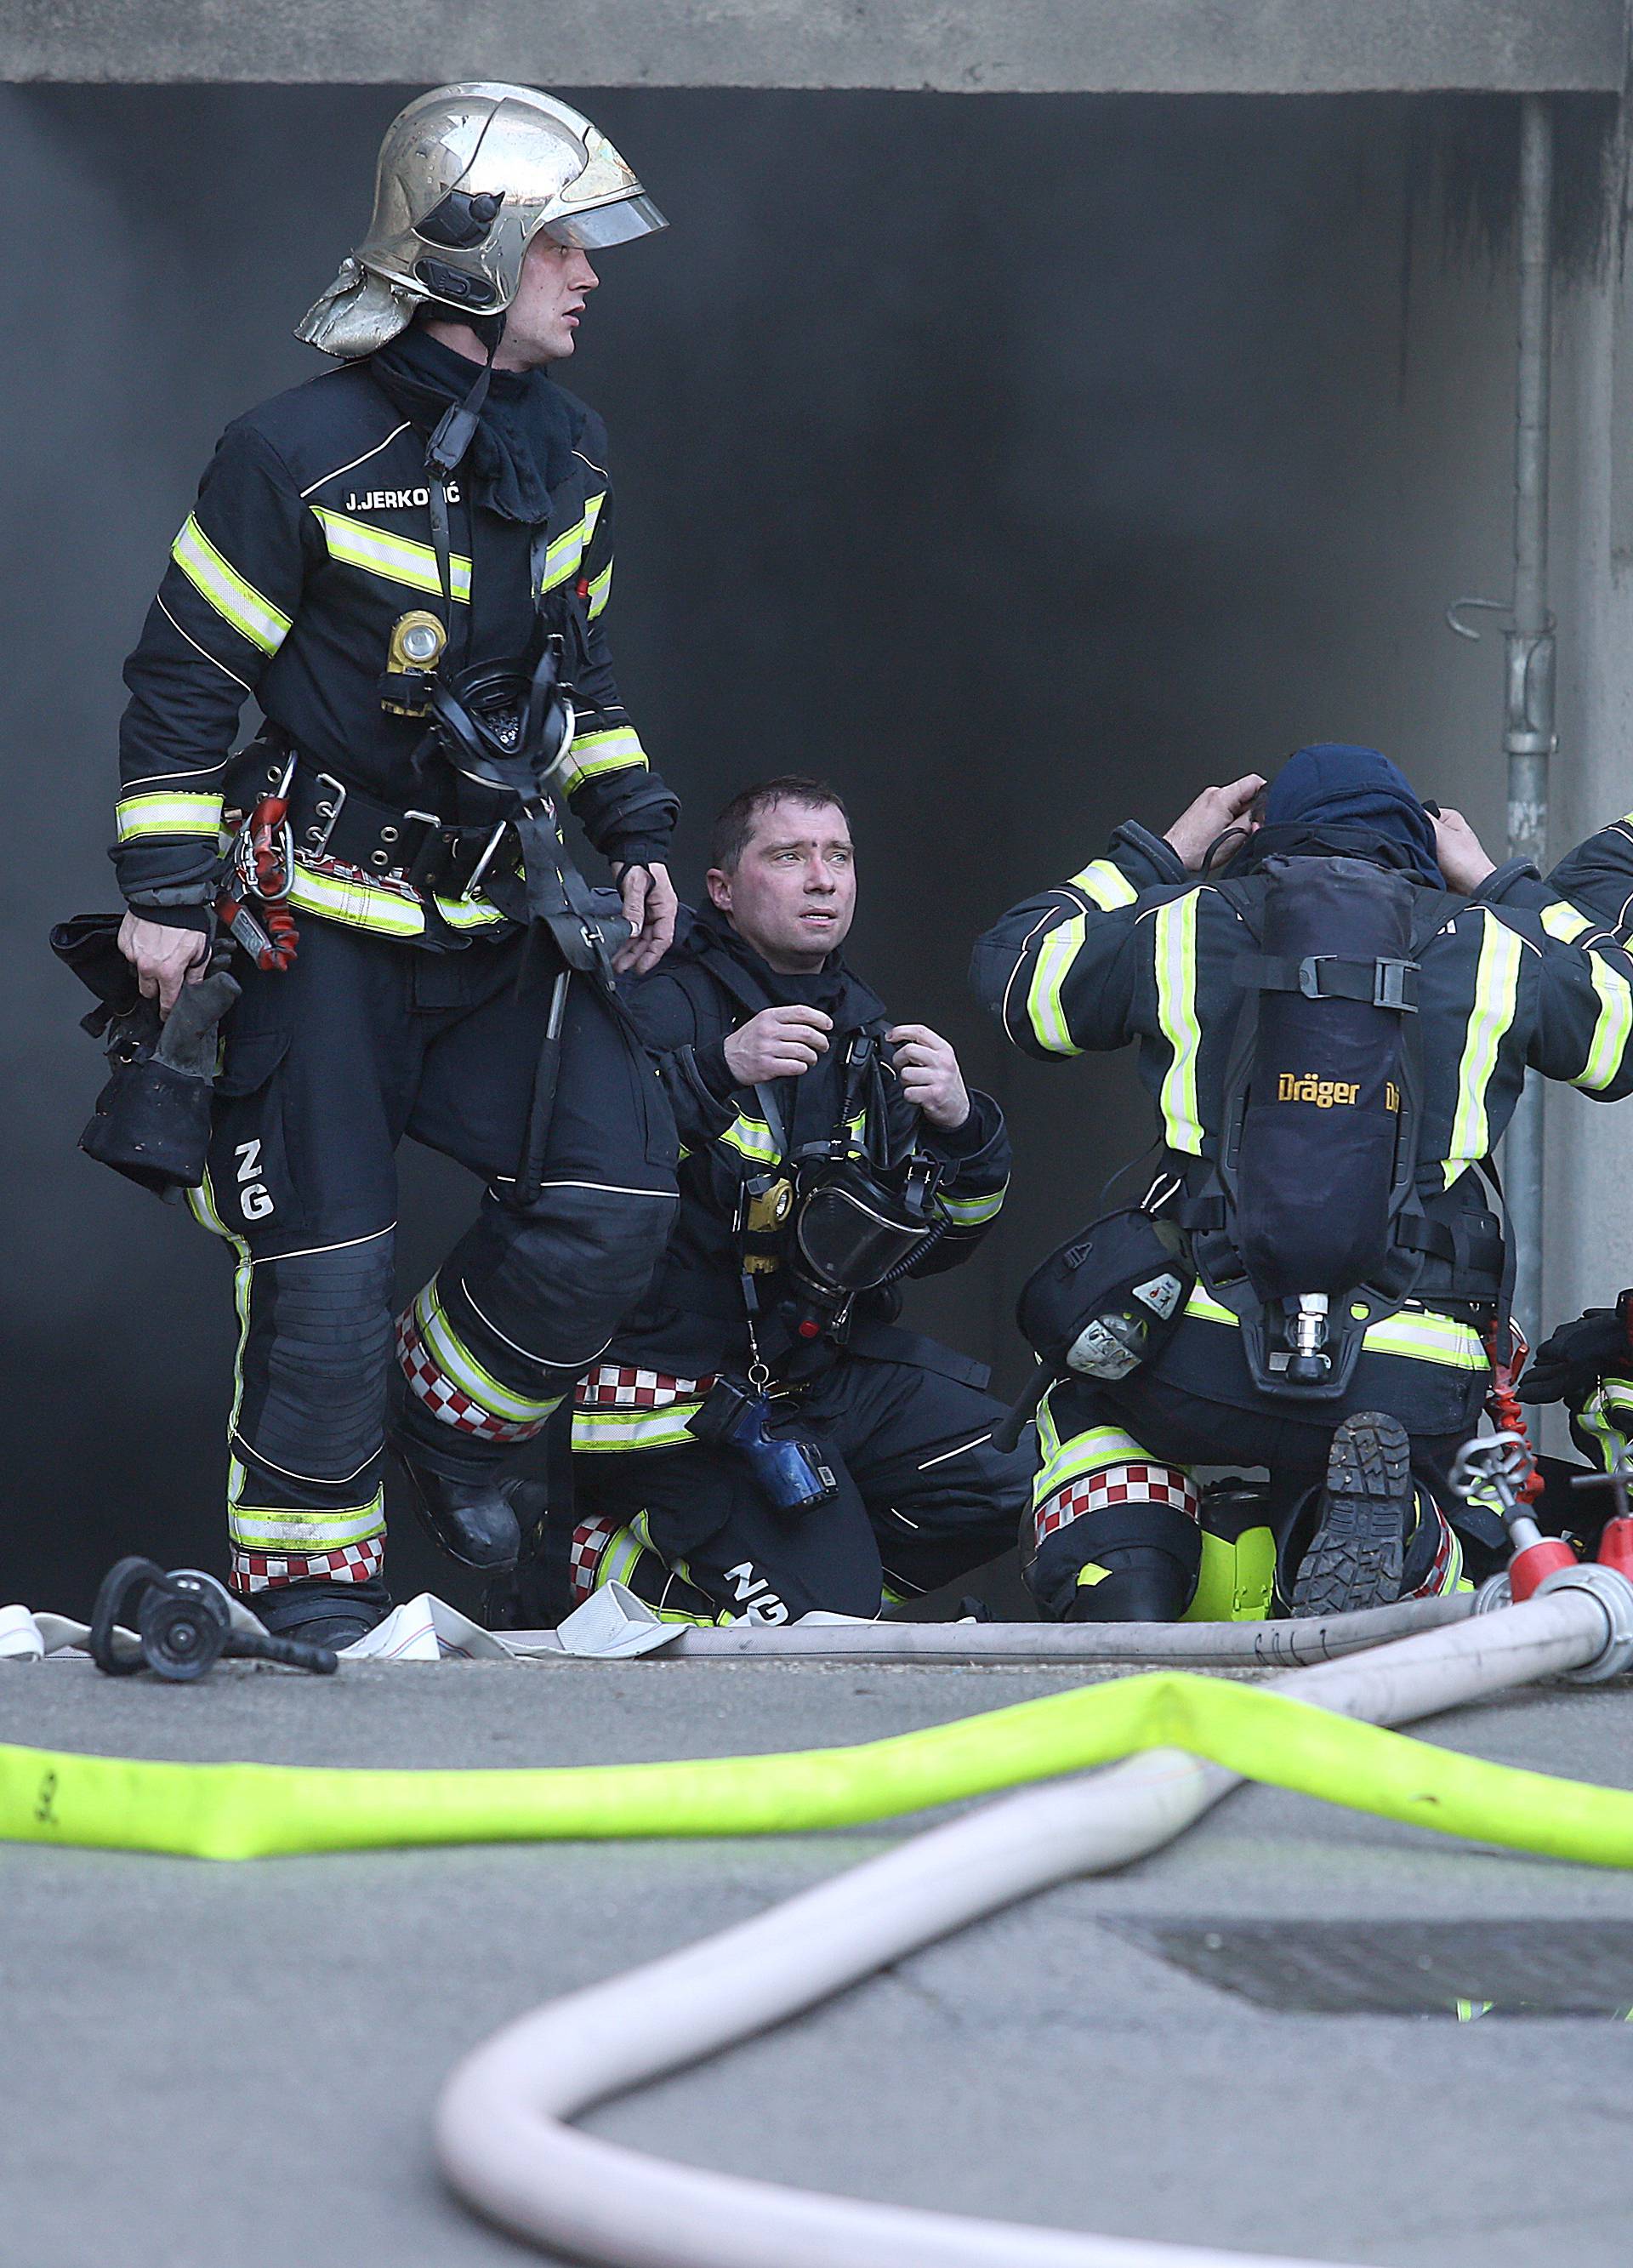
(502,2129)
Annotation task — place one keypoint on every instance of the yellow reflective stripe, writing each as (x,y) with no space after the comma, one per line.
(1496,991)
(467,913)
(750,1137)
(1610,1034)
(601,591)
(186,813)
(969,1213)
(295,1528)
(593,753)
(1174,944)
(395,558)
(456,1361)
(1106,884)
(1203,1305)
(1595,1419)
(619,1557)
(203,1206)
(597,1431)
(1084,1452)
(1420,1336)
(1427,1338)
(1564,922)
(567,549)
(1045,1011)
(239,604)
(356,904)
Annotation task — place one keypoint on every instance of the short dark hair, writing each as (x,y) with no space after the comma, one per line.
(735,824)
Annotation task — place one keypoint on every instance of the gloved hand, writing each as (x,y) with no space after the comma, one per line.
(1570,1364)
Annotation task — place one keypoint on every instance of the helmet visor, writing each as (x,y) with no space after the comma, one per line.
(603,224)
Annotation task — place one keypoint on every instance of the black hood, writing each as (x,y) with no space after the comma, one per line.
(524,441)
(707,938)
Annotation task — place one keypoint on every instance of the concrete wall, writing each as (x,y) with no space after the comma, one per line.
(970,46)
(1589,1222)
(1016,512)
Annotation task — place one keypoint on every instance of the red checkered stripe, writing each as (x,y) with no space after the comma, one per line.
(614,1386)
(267,1571)
(1116,1484)
(1430,1587)
(443,1399)
(590,1539)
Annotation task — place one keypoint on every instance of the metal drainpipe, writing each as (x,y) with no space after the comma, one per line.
(1529,738)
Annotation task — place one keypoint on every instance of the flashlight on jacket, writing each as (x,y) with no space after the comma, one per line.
(790,1473)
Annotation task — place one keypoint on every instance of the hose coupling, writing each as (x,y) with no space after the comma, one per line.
(1495,1592)
(1612,1593)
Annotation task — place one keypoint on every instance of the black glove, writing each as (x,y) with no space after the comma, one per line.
(1570,1365)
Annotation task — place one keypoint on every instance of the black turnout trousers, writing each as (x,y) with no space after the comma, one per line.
(923,1497)
(327,1066)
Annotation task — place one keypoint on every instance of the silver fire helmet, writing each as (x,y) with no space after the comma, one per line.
(467,176)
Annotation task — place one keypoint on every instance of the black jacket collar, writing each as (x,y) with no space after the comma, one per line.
(708,939)
(524,442)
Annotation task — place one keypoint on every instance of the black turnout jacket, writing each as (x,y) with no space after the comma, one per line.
(311,537)
(693,1321)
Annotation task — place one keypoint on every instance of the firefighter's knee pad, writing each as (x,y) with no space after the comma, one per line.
(1134,1563)
(316,1358)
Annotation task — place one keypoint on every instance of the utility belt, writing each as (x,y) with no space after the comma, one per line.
(334,818)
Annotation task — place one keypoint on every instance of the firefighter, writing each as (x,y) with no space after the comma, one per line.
(762,1439)
(406,561)
(1336,995)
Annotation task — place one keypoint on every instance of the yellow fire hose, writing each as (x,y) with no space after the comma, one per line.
(250,1811)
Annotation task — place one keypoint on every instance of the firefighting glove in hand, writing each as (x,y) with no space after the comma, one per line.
(1570,1365)
(187,1041)
(153,1118)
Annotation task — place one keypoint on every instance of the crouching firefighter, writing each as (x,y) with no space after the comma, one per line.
(761,1438)
(1335,997)
(407,562)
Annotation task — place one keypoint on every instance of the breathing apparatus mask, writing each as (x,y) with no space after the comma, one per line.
(854,1232)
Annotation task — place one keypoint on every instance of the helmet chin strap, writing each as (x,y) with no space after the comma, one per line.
(445,453)
(456,428)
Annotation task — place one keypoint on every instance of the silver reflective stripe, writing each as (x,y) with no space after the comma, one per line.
(1496,993)
(237,603)
(356,905)
(1106,885)
(969,1213)
(1609,1042)
(134,815)
(1174,944)
(614,750)
(279,1527)
(597,1431)
(394,558)
(1045,1010)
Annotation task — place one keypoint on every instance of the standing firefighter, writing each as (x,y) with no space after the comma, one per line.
(406,561)
(1334,1029)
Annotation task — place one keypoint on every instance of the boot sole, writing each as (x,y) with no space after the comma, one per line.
(1355,1558)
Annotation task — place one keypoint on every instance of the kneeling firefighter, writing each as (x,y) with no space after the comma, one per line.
(1335,1027)
(407,561)
(762,1439)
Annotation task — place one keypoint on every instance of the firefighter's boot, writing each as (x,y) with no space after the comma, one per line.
(478,1522)
(1356,1555)
(321,1613)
